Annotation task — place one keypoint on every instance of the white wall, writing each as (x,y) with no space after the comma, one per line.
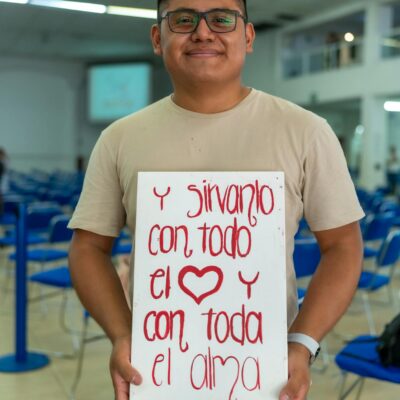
(38,113)
(43,108)
(393,130)
(260,67)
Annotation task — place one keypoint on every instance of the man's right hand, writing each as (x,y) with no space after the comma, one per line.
(122,372)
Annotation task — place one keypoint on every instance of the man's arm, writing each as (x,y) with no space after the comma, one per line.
(328,296)
(100,291)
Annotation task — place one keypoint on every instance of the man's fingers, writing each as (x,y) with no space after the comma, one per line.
(121,388)
(122,372)
(122,378)
(296,388)
(129,374)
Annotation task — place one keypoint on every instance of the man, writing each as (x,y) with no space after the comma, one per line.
(213,123)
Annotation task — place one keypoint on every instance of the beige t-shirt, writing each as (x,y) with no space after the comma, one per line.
(262,133)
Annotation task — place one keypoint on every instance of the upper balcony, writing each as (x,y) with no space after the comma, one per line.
(390,44)
(340,43)
(333,45)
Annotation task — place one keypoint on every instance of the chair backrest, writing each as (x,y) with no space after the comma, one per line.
(306,257)
(378,226)
(389,251)
(59,231)
(38,219)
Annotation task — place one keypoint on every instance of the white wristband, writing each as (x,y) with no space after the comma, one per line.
(307,341)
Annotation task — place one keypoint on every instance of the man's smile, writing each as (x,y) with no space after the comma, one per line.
(203,53)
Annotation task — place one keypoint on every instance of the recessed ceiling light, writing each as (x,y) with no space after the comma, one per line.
(90,7)
(132,12)
(392,106)
(349,37)
(14,1)
(71,5)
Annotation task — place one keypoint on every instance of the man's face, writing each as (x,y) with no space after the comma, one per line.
(203,56)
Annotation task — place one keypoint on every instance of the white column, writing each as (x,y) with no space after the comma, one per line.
(374,143)
(373,115)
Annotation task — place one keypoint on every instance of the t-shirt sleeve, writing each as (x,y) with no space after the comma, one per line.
(329,196)
(100,209)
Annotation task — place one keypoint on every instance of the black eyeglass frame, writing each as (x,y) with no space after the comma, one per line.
(202,15)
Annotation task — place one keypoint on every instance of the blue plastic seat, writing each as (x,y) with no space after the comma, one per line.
(360,357)
(57,277)
(370,252)
(306,257)
(32,239)
(371,281)
(43,255)
(120,248)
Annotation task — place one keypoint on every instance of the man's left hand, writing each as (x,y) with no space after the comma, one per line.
(299,373)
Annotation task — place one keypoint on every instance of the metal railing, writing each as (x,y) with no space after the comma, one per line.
(390,45)
(322,58)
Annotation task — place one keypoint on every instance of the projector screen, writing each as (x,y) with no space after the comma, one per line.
(116,90)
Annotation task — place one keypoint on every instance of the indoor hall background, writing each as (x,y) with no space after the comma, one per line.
(44,58)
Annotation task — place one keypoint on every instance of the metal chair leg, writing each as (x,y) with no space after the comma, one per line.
(74,334)
(343,380)
(9,274)
(368,313)
(78,372)
(360,388)
(343,394)
(84,340)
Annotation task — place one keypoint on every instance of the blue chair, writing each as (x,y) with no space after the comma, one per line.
(360,357)
(303,231)
(57,278)
(40,215)
(374,280)
(121,246)
(59,233)
(375,230)
(306,258)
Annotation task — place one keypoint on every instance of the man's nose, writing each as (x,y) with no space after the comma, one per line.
(203,32)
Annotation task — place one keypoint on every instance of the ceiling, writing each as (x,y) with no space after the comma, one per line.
(60,34)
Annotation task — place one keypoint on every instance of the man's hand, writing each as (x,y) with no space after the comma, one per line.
(122,372)
(299,373)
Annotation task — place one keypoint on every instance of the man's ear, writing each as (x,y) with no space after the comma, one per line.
(250,36)
(156,39)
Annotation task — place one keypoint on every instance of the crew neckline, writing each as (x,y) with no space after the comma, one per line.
(249,98)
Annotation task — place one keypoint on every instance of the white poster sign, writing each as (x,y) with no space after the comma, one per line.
(209,307)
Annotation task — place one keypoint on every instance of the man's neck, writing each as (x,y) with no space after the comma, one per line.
(209,100)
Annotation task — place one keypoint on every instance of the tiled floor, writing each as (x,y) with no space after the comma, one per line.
(54,381)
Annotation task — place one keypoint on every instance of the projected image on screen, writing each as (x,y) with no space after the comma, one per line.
(117,90)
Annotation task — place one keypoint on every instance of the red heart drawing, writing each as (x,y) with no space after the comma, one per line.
(200,273)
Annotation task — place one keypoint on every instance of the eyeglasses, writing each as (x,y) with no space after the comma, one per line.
(187,20)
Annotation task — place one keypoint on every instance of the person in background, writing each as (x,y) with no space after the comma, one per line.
(393,169)
(332,50)
(212,122)
(3,177)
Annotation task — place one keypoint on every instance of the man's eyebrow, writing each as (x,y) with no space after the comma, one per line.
(182,9)
(194,10)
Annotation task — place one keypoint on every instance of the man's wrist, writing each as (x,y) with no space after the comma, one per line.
(308,343)
(121,336)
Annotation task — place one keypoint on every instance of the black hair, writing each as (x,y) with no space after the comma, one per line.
(159,3)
